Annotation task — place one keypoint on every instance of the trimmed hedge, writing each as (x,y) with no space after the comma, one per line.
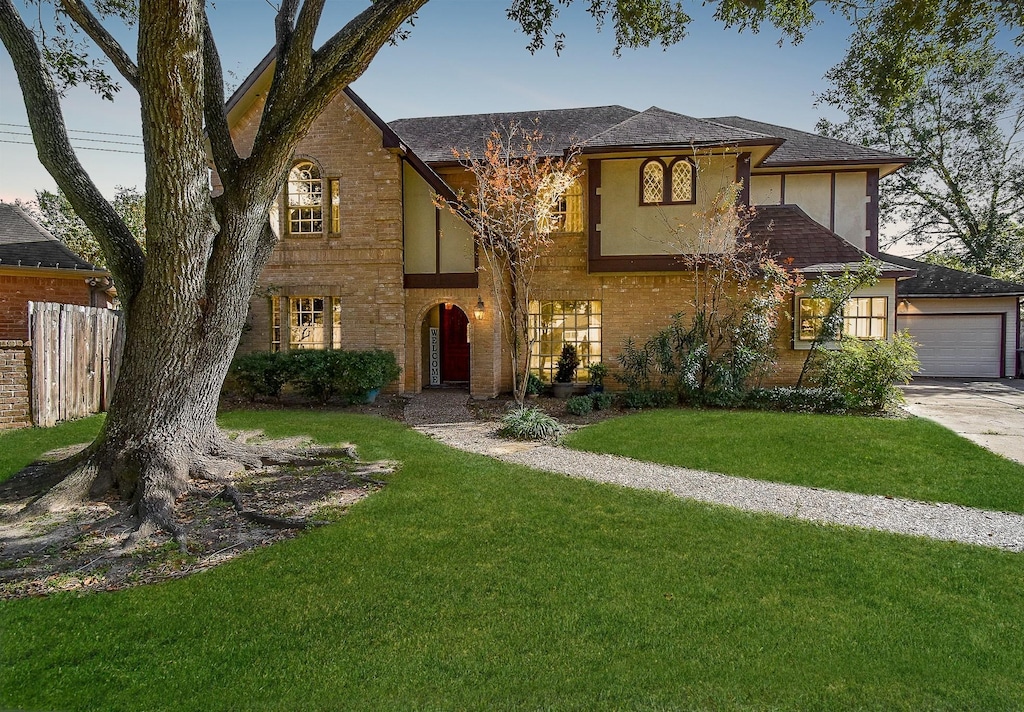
(318,374)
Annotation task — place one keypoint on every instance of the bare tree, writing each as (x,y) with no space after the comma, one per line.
(511,209)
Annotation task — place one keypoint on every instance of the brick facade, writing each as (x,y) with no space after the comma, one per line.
(17,290)
(362,268)
(15,365)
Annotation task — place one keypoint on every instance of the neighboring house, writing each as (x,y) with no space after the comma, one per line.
(964,324)
(367,260)
(37,267)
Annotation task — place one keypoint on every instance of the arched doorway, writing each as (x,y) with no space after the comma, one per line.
(446,347)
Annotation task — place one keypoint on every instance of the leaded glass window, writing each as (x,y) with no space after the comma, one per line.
(305,199)
(652,182)
(682,181)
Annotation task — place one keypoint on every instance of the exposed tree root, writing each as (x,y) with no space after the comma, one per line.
(116,541)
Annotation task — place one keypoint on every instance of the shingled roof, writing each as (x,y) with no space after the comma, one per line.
(658,127)
(937,281)
(802,148)
(24,243)
(792,236)
(433,137)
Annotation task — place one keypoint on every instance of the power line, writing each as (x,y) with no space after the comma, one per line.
(98,133)
(79,148)
(77,138)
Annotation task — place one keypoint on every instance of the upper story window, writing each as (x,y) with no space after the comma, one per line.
(569,211)
(305,199)
(667,185)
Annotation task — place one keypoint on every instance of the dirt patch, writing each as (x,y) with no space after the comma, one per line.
(84,549)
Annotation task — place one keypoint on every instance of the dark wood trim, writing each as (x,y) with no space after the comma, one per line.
(637,263)
(782,189)
(895,160)
(742,177)
(447,280)
(437,240)
(1002,329)
(871,214)
(594,207)
(390,138)
(832,203)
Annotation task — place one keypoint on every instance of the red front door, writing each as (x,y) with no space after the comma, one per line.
(454,344)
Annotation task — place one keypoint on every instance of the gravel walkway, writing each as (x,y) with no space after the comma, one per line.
(946,522)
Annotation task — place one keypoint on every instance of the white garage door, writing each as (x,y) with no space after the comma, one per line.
(956,345)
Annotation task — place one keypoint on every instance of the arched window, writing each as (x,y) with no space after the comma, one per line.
(683,182)
(305,199)
(652,182)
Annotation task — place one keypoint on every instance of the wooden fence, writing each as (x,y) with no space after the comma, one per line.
(76,352)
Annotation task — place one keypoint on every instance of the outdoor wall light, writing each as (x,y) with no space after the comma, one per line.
(478,313)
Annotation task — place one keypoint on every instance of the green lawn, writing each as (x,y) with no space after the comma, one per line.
(22,447)
(912,458)
(472,584)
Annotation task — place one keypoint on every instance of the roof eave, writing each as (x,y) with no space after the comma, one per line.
(634,148)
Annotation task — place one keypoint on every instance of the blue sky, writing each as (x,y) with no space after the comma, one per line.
(464,56)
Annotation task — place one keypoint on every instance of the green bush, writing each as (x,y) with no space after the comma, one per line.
(322,375)
(528,424)
(866,372)
(262,373)
(579,405)
(534,385)
(603,401)
(796,400)
(649,399)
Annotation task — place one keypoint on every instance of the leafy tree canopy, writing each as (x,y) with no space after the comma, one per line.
(54,212)
(962,200)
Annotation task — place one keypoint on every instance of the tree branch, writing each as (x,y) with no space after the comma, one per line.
(83,17)
(225,158)
(42,102)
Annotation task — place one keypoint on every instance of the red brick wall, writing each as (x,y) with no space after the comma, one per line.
(16,291)
(14,381)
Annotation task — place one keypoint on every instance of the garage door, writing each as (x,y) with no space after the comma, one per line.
(957,345)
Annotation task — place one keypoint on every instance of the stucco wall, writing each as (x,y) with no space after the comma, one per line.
(628,228)
(843,210)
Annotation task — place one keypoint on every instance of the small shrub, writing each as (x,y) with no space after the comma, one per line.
(796,400)
(649,399)
(528,424)
(568,362)
(321,375)
(866,372)
(603,401)
(262,373)
(579,405)
(534,385)
(596,373)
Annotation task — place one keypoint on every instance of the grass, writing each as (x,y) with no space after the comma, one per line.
(912,458)
(19,448)
(472,584)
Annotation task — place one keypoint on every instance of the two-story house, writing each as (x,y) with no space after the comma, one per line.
(367,260)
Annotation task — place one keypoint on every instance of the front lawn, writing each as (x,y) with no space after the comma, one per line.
(468,583)
(912,458)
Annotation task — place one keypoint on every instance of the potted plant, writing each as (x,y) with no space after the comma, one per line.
(565,371)
(534,385)
(597,372)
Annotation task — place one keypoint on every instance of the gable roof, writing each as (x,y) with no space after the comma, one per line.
(24,243)
(804,148)
(792,236)
(938,281)
(433,137)
(657,127)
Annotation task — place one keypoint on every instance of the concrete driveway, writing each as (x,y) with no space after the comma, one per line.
(989,412)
